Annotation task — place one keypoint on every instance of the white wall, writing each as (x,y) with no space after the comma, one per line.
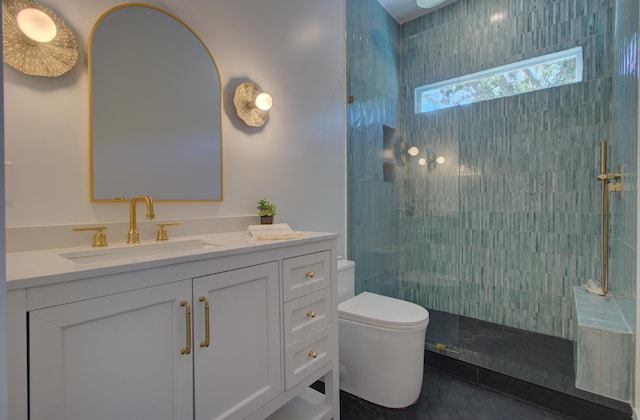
(292,48)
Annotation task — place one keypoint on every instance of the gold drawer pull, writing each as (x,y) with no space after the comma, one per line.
(311,314)
(309,274)
(187,349)
(313,354)
(205,343)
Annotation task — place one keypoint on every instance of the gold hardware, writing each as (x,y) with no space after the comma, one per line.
(313,354)
(606,188)
(162,232)
(350,99)
(311,314)
(617,187)
(99,239)
(133,236)
(205,343)
(309,274)
(187,349)
(441,348)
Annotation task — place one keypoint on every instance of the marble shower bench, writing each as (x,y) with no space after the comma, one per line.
(603,348)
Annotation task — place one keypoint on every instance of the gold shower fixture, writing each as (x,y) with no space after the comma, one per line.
(606,188)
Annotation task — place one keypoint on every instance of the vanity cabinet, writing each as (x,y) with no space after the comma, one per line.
(137,348)
(238,371)
(308,310)
(237,336)
(112,357)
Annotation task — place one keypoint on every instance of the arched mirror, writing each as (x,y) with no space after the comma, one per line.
(155,109)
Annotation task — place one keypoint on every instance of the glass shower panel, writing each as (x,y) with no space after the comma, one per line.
(430,226)
(430,196)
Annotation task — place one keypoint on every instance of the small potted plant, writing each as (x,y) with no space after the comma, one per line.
(266,211)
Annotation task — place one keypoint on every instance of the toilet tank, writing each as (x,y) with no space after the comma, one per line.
(346,279)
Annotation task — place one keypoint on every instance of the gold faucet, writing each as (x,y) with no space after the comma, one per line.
(134,236)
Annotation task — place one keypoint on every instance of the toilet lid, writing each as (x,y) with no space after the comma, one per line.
(383,311)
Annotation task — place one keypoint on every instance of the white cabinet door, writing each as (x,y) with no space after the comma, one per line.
(113,357)
(240,370)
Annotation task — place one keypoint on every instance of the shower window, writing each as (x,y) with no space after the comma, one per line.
(543,72)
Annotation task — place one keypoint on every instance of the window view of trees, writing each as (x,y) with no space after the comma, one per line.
(524,76)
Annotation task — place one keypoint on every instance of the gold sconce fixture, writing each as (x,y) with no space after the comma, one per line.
(252,104)
(429,158)
(431,161)
(35,40)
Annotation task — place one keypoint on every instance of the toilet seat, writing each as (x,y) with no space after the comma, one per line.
(383,311)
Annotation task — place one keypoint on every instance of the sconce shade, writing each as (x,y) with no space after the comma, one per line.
(263,101)
(36,25)
(252,104)
(48,53)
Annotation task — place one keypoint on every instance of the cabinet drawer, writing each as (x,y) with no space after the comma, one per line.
(306,274)
(304,356)
(307,314)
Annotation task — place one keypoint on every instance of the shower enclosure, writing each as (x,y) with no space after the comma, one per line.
(496,217)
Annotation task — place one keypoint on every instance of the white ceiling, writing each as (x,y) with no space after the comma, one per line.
(405,10)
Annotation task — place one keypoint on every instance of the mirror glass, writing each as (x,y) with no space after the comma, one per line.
(155,109)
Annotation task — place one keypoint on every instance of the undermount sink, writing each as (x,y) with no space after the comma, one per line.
(138,250)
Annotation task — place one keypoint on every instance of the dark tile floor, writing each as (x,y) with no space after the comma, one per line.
(530,357)
(444,397)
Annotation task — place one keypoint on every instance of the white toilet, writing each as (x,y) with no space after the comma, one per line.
(381,342)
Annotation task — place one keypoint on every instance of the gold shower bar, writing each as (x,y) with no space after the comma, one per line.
(606,188)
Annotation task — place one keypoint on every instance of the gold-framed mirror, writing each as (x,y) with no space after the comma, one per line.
(155,109)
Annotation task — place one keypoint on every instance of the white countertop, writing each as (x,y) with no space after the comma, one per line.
(37,268)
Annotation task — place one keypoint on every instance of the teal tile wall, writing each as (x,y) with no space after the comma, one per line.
(505,228)
(373,55)
(512,225)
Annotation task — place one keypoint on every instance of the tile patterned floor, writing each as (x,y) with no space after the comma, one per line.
(444,397)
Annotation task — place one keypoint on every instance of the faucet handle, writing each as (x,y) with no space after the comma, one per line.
(99,239)
(162,232)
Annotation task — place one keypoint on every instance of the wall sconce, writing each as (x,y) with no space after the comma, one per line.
(431,161)
(35,40)
(252,104)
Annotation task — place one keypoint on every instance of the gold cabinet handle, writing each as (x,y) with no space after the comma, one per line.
(311,314)
(187,349)
(313,354)
(309,274)
(205,343)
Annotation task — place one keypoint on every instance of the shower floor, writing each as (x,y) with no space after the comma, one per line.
(542,360)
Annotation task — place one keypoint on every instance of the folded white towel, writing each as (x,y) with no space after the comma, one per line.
(593,287)
(276,231)
(268,229)
(276,237)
